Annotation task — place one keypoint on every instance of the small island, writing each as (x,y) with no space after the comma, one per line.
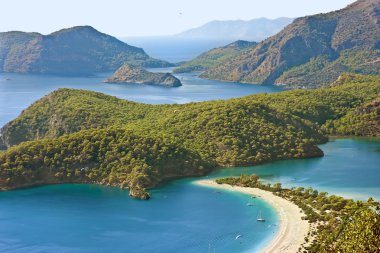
(133,74)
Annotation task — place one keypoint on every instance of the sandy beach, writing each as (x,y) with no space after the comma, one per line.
(292,229)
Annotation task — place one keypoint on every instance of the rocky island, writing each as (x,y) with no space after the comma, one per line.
(133,74)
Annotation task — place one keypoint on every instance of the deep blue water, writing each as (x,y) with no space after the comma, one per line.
(175,49)
(20,91)
(181,217)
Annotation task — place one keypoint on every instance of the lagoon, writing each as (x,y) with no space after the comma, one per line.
(181,216)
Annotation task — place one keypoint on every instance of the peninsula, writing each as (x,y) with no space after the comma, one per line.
(77,136)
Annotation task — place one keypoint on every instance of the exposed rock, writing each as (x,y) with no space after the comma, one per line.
(132,74)
(312,51)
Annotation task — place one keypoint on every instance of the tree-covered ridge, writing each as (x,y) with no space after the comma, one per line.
(78,50)
(340,225)
(363,121)
(116,157)
(241,131)
(311,52)
(194,142)
(214,57)
(67,111)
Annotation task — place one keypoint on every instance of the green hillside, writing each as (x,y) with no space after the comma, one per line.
(83,136)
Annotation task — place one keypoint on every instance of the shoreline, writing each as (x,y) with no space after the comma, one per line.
(292,229)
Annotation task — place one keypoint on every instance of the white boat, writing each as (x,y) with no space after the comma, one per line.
(238,236)
(260,218)
(250,204)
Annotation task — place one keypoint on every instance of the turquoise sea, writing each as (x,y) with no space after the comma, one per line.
(181,216)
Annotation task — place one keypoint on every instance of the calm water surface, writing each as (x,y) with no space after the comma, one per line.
(19,91)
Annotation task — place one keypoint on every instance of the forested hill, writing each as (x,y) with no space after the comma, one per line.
(312,51)
(80,50)
(83,136)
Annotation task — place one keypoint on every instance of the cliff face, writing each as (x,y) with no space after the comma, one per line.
(312,51)
(75,51)
(131,74)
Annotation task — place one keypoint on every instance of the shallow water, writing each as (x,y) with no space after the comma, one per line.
(350,167)
(181,216)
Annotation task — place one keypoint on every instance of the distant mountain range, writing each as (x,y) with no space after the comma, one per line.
(80,50)
(252,30)
(190,44)
(312,51)
(215,56)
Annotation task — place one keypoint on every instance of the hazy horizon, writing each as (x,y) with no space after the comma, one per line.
(148,18)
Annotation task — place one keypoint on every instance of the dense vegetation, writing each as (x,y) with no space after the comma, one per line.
(116,157)
(214,57)
(342,225)
(363,121)
(311,52)
(134,74)
(75,51)
(241,131)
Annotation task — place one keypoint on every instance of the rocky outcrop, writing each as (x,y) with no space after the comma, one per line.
(132,74)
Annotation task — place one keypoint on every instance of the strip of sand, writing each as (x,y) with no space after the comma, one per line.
(292,229)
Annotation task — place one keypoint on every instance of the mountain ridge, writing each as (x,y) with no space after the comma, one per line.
(79,50)
(312,51)
(251,30)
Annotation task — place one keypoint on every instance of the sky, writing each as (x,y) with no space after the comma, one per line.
(126,18)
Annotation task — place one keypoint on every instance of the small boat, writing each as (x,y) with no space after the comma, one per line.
(260,218)
(238,236)
(253,196)
(250,204)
